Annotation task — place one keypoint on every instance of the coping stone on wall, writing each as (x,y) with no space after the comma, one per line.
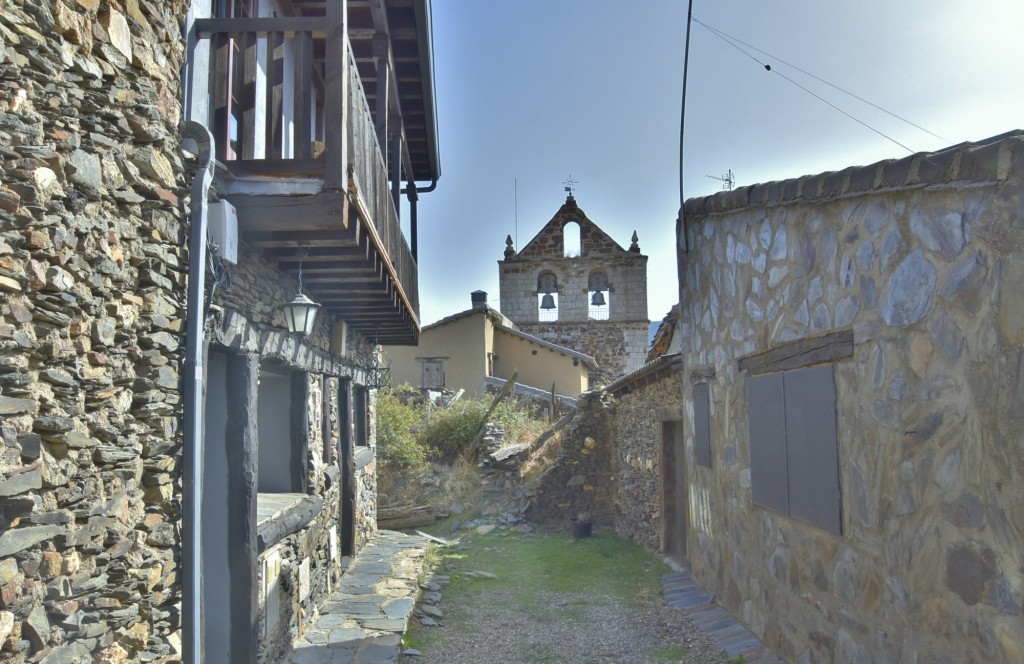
(993,159)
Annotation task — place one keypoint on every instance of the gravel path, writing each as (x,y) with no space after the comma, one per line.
(492,627)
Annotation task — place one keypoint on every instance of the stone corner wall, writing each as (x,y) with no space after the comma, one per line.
(91,276)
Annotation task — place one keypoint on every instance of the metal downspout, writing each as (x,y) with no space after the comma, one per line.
(193,398)
(413,193)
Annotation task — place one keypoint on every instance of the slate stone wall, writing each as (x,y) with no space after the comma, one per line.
(582,480)
(93,229)
(922,258)
(636,430)
(91,316)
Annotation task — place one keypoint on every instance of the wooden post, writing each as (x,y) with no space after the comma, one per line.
(336,97)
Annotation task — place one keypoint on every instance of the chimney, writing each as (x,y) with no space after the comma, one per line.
(479,299)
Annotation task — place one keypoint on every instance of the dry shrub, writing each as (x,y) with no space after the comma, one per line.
(542,458)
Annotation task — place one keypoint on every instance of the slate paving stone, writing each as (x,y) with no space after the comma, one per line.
(682,592)
(362,622)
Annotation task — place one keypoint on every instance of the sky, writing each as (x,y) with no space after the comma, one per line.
(532,91)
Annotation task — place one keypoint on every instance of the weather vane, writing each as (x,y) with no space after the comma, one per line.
(570,184)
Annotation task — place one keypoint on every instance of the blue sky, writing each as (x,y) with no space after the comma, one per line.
(529,92)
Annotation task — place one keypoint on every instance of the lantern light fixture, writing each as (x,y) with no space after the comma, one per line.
(300,313)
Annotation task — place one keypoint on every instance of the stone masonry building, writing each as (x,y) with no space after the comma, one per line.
(834,441)
(181,474)
(592,298)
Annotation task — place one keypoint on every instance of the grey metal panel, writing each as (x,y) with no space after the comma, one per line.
(813,455)
(702,424)
(767,428)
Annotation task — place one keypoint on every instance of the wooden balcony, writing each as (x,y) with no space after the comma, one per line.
(302,163)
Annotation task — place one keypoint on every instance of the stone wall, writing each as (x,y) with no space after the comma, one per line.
(921,259)
(636,431)
(618,347)
(93,226)
(92,283)
(627,278)
(582,479)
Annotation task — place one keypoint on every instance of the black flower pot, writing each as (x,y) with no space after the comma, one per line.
(580,529)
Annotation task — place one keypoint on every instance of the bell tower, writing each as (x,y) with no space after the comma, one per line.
(574,285)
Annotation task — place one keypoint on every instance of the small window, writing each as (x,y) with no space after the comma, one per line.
(360,415)
(433,373)
(794,451)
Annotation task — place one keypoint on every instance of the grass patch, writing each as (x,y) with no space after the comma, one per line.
(602,565)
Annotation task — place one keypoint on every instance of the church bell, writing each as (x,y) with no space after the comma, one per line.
(598,299)
(547,302)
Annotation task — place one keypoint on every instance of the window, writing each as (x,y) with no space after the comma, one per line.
(702,424)
(359,415)
(280,447)
(794,454)
(432,373)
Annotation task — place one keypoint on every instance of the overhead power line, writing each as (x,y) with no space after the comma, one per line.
(735,43)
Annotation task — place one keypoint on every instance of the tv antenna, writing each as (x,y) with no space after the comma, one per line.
(728,180)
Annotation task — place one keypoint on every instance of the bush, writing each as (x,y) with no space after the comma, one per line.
(398,449)
(450,430)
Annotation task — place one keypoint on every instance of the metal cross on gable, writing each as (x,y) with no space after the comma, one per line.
(570,184)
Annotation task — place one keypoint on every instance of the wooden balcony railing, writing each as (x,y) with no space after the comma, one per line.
(278,108)
(369,179)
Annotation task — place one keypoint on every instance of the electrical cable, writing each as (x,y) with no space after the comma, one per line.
(725,35)
(734,43)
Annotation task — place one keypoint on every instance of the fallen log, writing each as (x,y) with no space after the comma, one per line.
(397,518)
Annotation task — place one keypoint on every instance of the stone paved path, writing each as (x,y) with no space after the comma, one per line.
(363,621)
(683,593)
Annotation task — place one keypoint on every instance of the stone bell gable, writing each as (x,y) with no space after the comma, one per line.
(591,298)
(550,241)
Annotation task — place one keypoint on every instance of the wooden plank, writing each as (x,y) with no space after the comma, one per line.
(336,86)
(281,168)
(206,27)
(303,96)
(270,213)
(275,95)
(801,353)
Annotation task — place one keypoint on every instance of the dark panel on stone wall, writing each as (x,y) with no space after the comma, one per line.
(767,424)
(812,453)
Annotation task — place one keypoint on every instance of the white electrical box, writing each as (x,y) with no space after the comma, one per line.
(223,228)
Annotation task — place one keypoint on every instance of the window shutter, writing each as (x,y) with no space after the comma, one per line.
(702,424)
(813,456)
(767,429)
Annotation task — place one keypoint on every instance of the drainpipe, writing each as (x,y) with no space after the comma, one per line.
(192,453)
(413,193)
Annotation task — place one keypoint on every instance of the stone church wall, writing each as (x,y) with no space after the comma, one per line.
(922,259)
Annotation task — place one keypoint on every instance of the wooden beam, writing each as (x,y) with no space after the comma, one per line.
(206,27)
(801,353)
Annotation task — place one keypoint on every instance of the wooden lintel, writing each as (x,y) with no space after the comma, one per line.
(801,353)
